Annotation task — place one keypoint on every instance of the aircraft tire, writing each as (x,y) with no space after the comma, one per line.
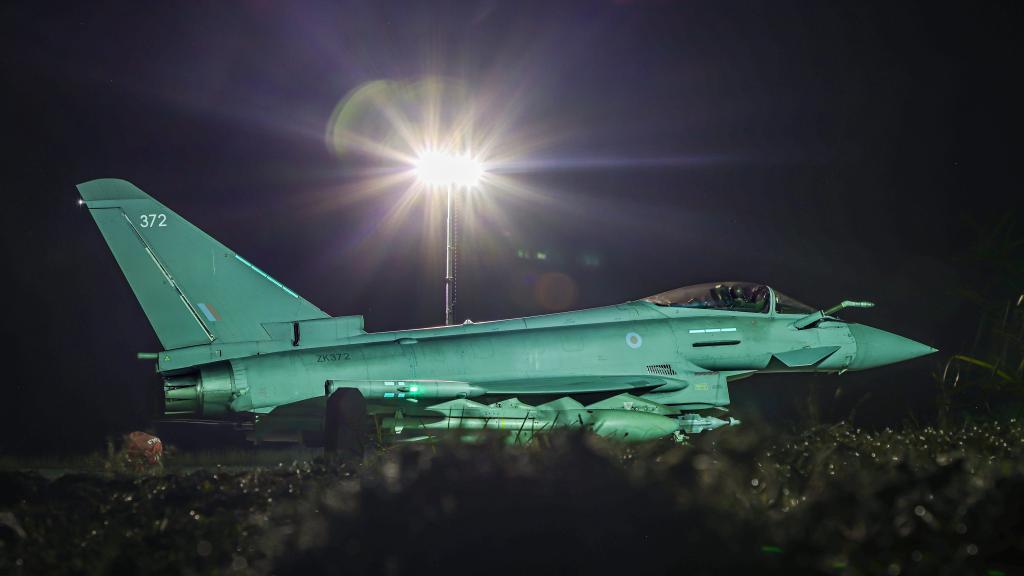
(345,424)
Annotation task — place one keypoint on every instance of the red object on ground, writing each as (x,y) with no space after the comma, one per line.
(143,449)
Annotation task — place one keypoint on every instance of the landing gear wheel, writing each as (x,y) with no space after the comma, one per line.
(345,424)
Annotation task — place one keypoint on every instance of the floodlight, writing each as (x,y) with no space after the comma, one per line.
(442,169)
(445,169)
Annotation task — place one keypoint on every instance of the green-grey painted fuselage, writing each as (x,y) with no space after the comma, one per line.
(239,342)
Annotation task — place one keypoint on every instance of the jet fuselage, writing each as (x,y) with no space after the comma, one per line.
(684,355)
(238,342)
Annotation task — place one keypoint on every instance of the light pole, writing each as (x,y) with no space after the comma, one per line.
(436,169)
(449,263)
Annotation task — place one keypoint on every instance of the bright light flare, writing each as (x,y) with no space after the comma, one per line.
(436,168)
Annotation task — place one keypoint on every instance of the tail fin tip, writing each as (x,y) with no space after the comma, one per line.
(110,189)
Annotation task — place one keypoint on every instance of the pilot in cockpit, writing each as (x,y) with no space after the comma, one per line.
(749,299)
(739,296)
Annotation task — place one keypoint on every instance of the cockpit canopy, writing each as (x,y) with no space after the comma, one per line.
(789,305)
(734,296)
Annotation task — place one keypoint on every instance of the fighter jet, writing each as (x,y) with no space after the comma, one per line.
(242,348)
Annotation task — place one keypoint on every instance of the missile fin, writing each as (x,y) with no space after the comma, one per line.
(511,403)
(459,404)
(634,403)
(564,403)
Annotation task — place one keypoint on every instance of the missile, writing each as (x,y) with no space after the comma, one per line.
(410,390)
(695,423)
(632,426)
(623,417)
(608,418)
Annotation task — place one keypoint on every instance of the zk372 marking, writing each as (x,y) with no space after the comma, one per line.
(335,357)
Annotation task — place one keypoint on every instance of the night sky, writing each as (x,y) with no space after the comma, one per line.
(831,150)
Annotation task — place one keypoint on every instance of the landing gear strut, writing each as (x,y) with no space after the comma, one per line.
(345,424)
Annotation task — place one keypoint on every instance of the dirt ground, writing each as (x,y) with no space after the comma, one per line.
(832,500)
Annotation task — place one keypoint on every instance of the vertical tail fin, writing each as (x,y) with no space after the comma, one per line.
(192,288)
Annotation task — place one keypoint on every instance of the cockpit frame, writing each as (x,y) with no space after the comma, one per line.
(729,298)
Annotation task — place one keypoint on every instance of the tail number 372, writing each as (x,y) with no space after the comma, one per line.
(153,220)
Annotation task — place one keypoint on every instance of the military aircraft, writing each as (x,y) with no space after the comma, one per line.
(241,347)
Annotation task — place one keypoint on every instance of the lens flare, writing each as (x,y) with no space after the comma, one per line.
(400,142)
(436,168)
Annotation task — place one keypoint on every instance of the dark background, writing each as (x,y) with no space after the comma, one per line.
(832,150)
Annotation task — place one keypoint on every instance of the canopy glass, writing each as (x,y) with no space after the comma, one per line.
(735,296)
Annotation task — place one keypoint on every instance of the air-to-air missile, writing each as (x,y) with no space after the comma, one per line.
(239,345)
(624,416)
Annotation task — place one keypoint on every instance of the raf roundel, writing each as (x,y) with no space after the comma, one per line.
(634,341)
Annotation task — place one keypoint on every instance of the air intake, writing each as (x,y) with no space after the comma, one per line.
(661,369)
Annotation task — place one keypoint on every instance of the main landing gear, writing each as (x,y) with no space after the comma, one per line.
(345,433)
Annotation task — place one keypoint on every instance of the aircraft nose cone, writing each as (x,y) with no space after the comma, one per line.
(877,347)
